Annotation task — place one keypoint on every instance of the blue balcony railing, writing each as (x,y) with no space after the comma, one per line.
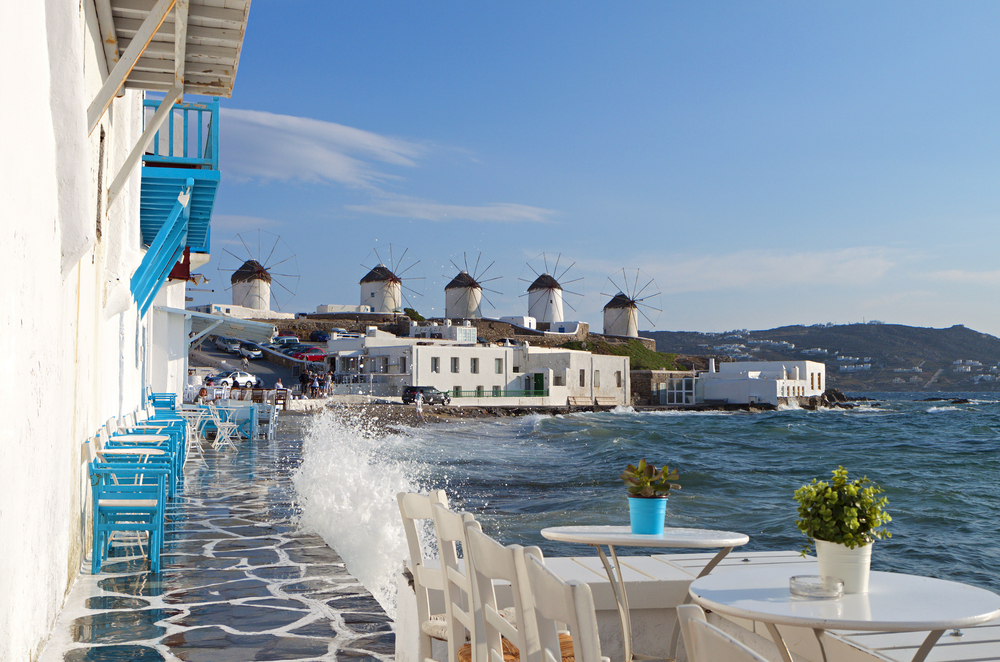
(190,137)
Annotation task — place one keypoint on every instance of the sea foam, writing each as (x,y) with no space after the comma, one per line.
(347,486)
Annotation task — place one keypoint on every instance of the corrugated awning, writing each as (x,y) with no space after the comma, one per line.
(221,325)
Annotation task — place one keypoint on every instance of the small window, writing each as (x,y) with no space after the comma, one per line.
(480,391)
(583,378)
(402,365)
(454,364)
(516,369)
(456,391)
(558,380)
(474,366)
(597,379)
(496,391)
(498,366)
(435,364)
(618,378)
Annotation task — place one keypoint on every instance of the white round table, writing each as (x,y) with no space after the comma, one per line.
(677,538)
(894,602)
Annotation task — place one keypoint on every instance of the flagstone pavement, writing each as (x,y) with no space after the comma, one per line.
(239,581)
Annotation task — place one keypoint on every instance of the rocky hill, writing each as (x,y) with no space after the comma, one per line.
(869,357)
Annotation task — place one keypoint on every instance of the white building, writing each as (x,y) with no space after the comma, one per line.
(463,297)
(463,333)
(338,308)
(382,364)
(382,290)
(232,310)
(751,382)
(545,300)
(88,323)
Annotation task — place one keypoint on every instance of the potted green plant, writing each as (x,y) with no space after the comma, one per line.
(843,517)
(648,488)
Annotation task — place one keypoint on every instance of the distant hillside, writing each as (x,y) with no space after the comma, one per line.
(872,357)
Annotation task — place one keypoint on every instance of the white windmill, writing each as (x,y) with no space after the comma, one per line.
(546,294)
(621,313)
(255,263)
(463,296)
(382,286)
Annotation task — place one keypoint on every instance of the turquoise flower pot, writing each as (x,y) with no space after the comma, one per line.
(647,514)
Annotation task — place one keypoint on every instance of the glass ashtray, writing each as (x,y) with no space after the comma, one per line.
(816,586)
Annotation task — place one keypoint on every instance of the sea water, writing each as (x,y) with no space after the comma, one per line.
(937,461)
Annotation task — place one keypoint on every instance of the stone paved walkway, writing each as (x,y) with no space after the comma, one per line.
(238,583)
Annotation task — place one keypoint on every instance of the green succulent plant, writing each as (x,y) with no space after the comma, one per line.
(844,511)
(645,480)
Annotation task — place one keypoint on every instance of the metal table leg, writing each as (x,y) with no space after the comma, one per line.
(675,635)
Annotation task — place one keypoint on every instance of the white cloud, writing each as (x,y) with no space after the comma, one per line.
(966,277)
(763,269)
(242,223)
(433,211)
(266,146)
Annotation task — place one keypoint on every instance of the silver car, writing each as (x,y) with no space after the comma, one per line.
(250,350)
(231,345)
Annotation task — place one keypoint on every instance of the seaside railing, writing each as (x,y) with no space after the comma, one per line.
(190,137)
(501,393)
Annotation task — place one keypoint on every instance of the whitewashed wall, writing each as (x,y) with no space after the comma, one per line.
(70,340)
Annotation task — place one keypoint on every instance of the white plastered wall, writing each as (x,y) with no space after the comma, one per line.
(70,342)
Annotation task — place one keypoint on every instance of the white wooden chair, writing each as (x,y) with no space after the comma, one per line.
(505,634)
(450,530)
(706,643)
(558,601)
(415,509)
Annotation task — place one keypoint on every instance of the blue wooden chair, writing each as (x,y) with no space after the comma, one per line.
(128,497)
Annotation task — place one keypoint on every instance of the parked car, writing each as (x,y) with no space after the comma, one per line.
(233,378)
(428,394)
(319,336)
(250,350)
(231,345)
(288,350)
(286,340)
(310,354)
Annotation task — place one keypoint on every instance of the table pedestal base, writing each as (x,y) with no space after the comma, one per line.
(617,580)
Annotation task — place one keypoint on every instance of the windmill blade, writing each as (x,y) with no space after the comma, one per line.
(567,303)
(379,257)
(528,264)
(226,250)
(566,271)
(646,316)
(284,275)
(475,269)
(646,298)
(412,291)
(486,299)
(487,269)
(400,274)
(487,289)
(457,268)
(276,239)
(575,280)
(489,280)
(284,288)
(401,258)
(249,252)
(576,294)
(651,282)
(556,267)
(290,257)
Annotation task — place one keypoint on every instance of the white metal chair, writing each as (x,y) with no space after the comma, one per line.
(558,601)
(706,643)
(414,509)
(224,428)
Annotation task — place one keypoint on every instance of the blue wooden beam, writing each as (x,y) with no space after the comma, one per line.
(164,252)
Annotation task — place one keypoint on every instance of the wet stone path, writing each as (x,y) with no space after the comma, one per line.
(239,581)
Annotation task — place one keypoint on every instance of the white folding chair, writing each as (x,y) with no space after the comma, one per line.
(558,601)
(706,643)
(415,509)
(224,428)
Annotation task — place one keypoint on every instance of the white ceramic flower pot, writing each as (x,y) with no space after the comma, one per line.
(852,566)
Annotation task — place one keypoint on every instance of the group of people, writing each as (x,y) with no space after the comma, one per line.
(315,384)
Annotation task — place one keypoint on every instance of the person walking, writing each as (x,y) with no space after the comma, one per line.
(246,364)
(419,402)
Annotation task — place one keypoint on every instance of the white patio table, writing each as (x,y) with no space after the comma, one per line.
(675,538)
(894,602)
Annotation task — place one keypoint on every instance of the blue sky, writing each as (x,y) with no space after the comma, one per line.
(765,163)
